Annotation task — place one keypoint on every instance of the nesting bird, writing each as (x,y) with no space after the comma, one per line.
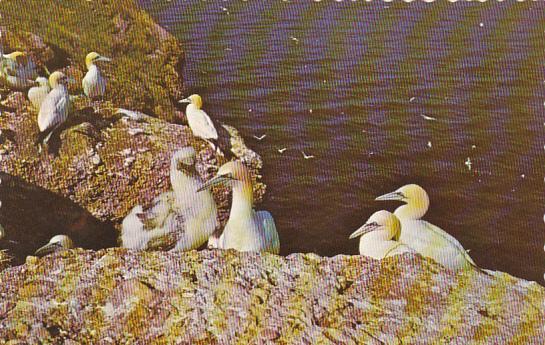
(17,70)
(57,243)
(181,219)
(37,94)
(379,236)
(200,123)
(246,229)
(94,83)
(54,108)
(425,238)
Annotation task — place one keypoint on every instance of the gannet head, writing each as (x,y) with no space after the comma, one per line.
(17,56)
(233,173)
(58,78)
(93,57)
(183,159)
(195,99)
(380,221)
(42,81)
(56,243)
(415,197)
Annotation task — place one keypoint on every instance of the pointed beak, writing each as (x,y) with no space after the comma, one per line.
(103,58)
(365,229)
(213,182)
(391,196)
(185,100)
(47,249)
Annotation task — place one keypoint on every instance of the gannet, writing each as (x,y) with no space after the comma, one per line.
(17,70)
(94,84)
(246,229)
(427,239)
(380,236)
(54,109)
(200,123)
(56,243)
(181,219)
(37,94)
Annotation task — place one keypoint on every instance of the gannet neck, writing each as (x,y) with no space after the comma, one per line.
(90,65)
(243,199)
(191,108)
(415,208)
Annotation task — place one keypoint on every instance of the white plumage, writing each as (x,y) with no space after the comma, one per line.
(200,123)
(54,108)
(380,236)
(427,239)
(17,70)
(94,83)
(181,219)
(246,229)
(37,94)
(57,243)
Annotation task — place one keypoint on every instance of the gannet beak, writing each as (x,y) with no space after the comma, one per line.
(391,196)
(103,58)
(185,100)
(213,182)
(365,229)
(47,249)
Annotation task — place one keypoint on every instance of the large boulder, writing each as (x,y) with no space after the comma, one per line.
(117,296)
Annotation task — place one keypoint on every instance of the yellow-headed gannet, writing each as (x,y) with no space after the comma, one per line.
(181,219)
(246,229)
(94,84)
(17,70)
(37,94)
(56,243)
(427,239)
(380,236)
(54,109)
(200,123)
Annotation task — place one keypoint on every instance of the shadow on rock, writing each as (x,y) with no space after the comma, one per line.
(32,215)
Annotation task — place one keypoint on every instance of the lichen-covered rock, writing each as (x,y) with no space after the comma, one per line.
(145,72)
(117,296)
(103,166)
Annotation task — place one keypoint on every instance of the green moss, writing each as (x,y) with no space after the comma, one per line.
(145,71)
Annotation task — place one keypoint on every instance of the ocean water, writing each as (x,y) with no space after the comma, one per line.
(351,83)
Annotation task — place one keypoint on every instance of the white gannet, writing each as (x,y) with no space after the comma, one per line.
(94,83)
(200,123)
(37,94)
(54,109)
(246,229)
(426,238)
(380,236)
(56,243)
(181,219)
(17,70)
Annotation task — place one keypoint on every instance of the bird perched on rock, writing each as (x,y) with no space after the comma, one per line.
(380,236)
(94,83)
(37,94)
(246,229)
(200,123)
(17,70)
(181,219)
(54,108)
(57,243)
(425,238)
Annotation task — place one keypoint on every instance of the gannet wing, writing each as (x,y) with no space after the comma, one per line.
(205,125)
(453,242)
(270,235)
(53,111)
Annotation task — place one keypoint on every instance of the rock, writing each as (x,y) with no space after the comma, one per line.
(101,162)
(224,297)
(145,73)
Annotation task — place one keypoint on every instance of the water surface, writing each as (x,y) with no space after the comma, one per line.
(336,80)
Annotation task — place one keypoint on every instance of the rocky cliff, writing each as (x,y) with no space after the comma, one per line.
(116,296)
